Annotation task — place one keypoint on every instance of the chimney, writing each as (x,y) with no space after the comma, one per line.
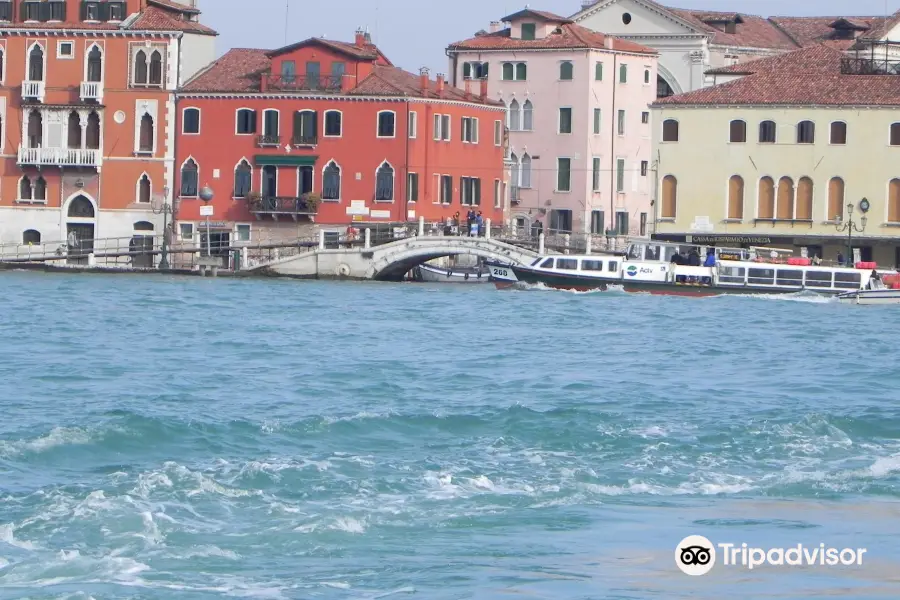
(608,42)
(360,38)
(484,90)
(440,84)
(423,79)
(495,26)
(468,89)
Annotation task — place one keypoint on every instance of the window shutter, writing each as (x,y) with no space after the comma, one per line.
(45,11)
(83,11)
(252,120)
(103,11)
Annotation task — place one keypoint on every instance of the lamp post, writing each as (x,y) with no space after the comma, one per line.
(164,208)
(850,226)
(206,194)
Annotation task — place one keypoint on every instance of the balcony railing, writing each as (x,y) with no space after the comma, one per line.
(59,157)
(268,140)
(33,90)
(91,90)
(278,206)
(305,140)
(870,66)
(329,84)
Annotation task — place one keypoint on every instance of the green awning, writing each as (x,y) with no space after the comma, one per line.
(285,160)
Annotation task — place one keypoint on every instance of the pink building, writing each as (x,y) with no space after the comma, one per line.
(577,116)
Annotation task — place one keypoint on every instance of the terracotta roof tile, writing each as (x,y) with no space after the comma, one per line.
(569,36)
(175,6)
(364,52)
(785,61)
(753,32)
(537,14)
(810,76)
(156,19)
(813,30)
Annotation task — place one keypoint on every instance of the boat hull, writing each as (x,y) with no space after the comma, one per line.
(431,274)
(871,297)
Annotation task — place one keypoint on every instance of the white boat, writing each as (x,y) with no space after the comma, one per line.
(870,297)
(434,274)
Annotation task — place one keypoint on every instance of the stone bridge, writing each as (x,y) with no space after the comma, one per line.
(390,261)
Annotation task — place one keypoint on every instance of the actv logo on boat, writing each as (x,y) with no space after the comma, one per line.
(632,271)
(695,555)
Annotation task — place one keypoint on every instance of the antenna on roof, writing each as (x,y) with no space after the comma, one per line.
(287,11)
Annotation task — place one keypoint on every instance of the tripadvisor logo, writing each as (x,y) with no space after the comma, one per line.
(696,555)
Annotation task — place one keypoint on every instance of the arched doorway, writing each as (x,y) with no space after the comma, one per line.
(141,245)
(80,220)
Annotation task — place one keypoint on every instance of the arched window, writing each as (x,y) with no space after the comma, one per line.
(333,123)
(140,67)
(765,207)
(838,132)
(806,132)
(514,174)
(736,197)
(81,208)
(36,63)
(384,182)
(767,132)
(146,134)
(895,134)
(190,122)
(527,116)
(156,74)
(526,171)
(35,129)
(566,70)
(189,178)
(670,130)
(24,188)
(31,236)
(144,189)
(804,199)
(143,226)
(243,179)
(737,132)
(669,197)
(74,130)
(331,182)
(95,64)
(92,134)
(386,123)
(835,199)
(893,215)
(508,72)
(521,71)
(40,189)
(514,120)
(785,206)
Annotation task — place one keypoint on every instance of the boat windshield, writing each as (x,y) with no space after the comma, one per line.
(537,260)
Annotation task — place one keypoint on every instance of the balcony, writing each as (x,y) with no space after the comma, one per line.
(305,140)
(59,157)
(282,206)
(264,141)
(91,91)
(282,83)
(33,90)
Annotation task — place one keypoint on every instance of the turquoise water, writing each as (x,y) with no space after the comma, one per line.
(197,438)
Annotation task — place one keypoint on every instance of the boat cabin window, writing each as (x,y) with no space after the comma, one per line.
(791,277)
(761,276)
(547,264)
(636,251)
(652,253)
(536,261)
(819,279)
(850,281)
(613,266)
(568,264)
(591,265)
(732,274)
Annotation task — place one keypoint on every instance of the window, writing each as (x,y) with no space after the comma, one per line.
(145,144)
(189,178)
(527,116)
(90,11)
(644,167)
(567,264)
(55,10)
(760,276)
(243,179)
(116,11)
(595,174)
(246,121)
(140,68)
(838,132)
(526,171)
(836,199)
(621,123)
(819,279)
(591,265)
(643,224)
(65,50)
(765,208)
(24,188)
(412,187)
(793,277)
(565,120)
(596,121)
(561,220)
(437,127)
(528,31)
(785,199)
(144,189)
(804,199)
(412,125)
(597,222)
(646,76)
(521,72)
(30,237)
(767,132)
(645,117)
(306,128)
(242,233)
(269,187)
(514,71)
(384,182)
(35,129)
(331,181)
(509,72)
(514,176)
(806,132)
(736,197)
(386,125)
(470,191)
(333,123)
(598,71)
(304,180)
(566,71)
(563,174)
(623,73)
(669,197)
(620,175)
(191,121)
(36,63)
(737,132)
(498,133)
(74,127)
(514,120)
(498,201)
(670,130)
(92,133)
(894,201)
(186,231)
(446,189)
(156,70)
(94,65)
(621,223)
(895,134)
(469,130)
(40,189)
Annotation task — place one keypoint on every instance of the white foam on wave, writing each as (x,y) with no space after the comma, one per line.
(683,489)
(342,523)
(360,416)
(541,287)
(58,436)
(807,297)
(884,466)
(207,551)
(7,536)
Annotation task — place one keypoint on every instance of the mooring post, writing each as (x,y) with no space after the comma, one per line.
(368,238)
(421,226)
(587,244)
(245,257)
(540,243)
(321,239)
(487,229)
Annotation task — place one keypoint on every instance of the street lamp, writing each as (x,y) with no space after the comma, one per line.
(206,194)
(850,226)
(164,208)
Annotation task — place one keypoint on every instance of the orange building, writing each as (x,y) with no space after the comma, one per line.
(88,114)
(331,133)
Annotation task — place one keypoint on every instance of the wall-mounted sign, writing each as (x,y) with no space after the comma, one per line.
(726,239)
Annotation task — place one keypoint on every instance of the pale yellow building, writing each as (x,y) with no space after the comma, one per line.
(774,156)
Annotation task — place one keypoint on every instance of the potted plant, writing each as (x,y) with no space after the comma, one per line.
(312,201)
(254,199)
